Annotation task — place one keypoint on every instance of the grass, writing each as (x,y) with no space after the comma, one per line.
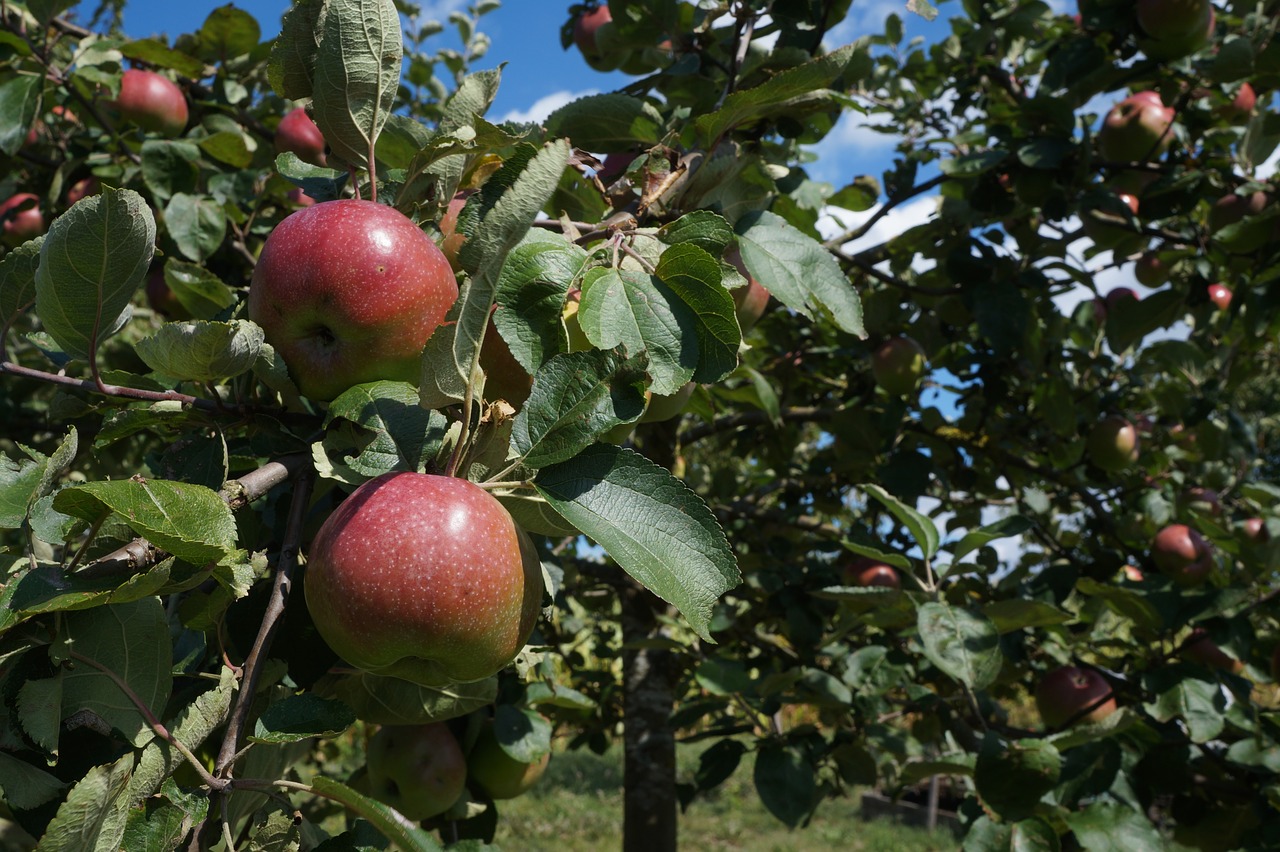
(578,806)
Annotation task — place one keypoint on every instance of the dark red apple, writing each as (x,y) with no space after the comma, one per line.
(22,218)
(1113,444)
(1073,694)
(1150,270)
(152,102)
(161,297)
(1242,105)
(865,571)
(898,365)
(1137,129)
(417,769)
(82,189)
(1108,302)
(299,134)
(348,292)
(1182,554)
(425,578)
(1199,648)
(498,773)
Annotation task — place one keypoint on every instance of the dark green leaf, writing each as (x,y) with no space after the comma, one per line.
(964,645)
(1012,776)
(921,528)
(202,351)
(396,433)
(293,53)
(1017,613)
(709,231)
(404,833)
(24,786)
(531,296)
(607,123)
(391,701)
(301,717)
(19,100)
(94,813)
(1109,827)
(694,276)
(525,735)
(1003,528)
(785,780)
(196,223)
(198,290)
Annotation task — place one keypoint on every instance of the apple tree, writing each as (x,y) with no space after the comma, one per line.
(871,505)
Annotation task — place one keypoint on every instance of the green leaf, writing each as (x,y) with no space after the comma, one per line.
(1017,613)
(525,735)
(19,100)
(1180,694)
(792,93)
(18,281)
(293,53)
(24,786)
(509,202)
(91,263)
(163,821)
(531,296)
(196,223)
(391,701)
(357,72)
(301,717)
(275,830)
(556,695)
(92,819)
(198,290)
(657,529)
(1130,320)
(395,432)
(797,270)
(1128,603)
(1109,827)
(47,588)
(921,528)
(40,711)
(1012,776)
(1003,528)
(404,833)
(786,782)
(576,397)
(972,165)
(156,53)
(191,726)
(227,33)
(694,276)
(202,351)
(227,146)
(189,521)
(607,123)
(170,167)
(709,231)
(401,139)
(964,645)
(130,640)
(18,483)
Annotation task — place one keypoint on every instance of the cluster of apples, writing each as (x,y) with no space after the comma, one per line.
(422,772)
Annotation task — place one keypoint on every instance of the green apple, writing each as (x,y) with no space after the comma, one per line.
(1074,694)
(348,292)
(1113,444)
(498,773)
(425,578)
(1175,28)
(898,365)
(417,769)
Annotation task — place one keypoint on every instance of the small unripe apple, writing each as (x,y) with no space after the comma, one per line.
(865,571)
(22,224)
(152,102)
(898,365)
(1113,444)
(498,773)
(1064,694)
(417,769)
(425,578)
(1199,648)
(348,292)
(1137,129)
(82,189)
(1182,554)
(660,407)
(1150,270)
(299,134)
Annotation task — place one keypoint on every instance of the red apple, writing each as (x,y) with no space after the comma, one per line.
(82,189)
(1220,296)
(348,292)
(498,773)
(585,30)
(417,769)
(161,297)
(22,218)
(1150,270)
(1137,129)
(152,102)
(1182,554)
(1255,529)
(865,571)
(1073,694)
(898,365)
(615,166)
(1108,302)
(425,578)
(1113,444)
(749,301)
(1232,208)
(300,198)
(1242,105)
(451,245)
(1133,573)
(299,134)
(1199,648)
(1176,27)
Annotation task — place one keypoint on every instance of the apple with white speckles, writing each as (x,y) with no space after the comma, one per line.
(348,292)
(425,578)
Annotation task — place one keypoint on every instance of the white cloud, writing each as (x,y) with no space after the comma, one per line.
(865,19)
(439,10)
(544,106)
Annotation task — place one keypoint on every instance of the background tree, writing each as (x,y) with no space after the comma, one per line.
(163,682)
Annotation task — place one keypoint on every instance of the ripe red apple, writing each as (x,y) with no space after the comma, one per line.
(1242,105)
(749,301)
(82,189)
(425,578)
(299,134)
(21,223)
(898,365)
(1231,209)
(1137,129)
(348,292)
(1182,554)
(152,102)
(1150,270)
(1220,296)
(865,571)
(1199,648)
(585,32)
(498,773)
(1176,27)
(451,245)
(1064,694)
(1255,529)
(1113,444)
(417,769)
